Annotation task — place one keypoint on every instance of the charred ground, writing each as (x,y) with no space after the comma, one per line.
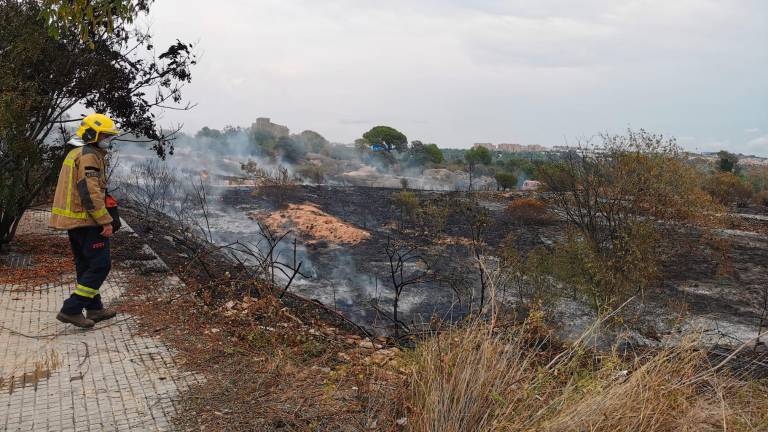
(719,277)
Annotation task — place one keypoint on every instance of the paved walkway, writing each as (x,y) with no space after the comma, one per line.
(55,377)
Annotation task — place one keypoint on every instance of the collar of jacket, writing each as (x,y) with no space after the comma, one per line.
(78,142)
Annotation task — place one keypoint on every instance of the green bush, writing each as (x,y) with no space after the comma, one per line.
(505,180)
(407,202)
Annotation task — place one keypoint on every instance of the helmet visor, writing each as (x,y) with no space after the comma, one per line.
(106,137)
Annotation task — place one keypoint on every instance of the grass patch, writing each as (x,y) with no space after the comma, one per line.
(480,379)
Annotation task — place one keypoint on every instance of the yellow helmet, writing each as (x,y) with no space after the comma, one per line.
(94,125)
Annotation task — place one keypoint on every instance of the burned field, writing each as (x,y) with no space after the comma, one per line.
(351,271)
(344,235)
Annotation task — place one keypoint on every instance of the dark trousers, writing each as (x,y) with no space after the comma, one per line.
(92,264)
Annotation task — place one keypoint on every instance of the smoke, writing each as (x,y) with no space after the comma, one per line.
(521,178)
(307,157)
(215,161)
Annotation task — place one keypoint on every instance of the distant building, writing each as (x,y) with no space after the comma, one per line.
(263,124)
(510,148)
(536,148)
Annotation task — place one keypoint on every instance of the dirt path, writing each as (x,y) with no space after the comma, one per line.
(54,377)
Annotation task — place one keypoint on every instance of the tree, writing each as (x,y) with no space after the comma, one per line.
(727,162)
(425,153)
(434,154)
(88,16)
(290,150)
(43,77)
(405,264)
(207,132)
(474,156)
(613,201)
(313,141)
(505,181)
(479,222)
(387,137)
(524,166)
(478,155)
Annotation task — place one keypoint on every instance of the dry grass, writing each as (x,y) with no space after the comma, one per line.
(265,368)
(313,224)
(761,198)
(51,257)
(529,211)
(48,362)
(477,379)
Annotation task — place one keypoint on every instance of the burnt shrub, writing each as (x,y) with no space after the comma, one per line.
(314,173)
(529,211)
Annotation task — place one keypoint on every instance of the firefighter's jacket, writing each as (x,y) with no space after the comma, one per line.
(81,190)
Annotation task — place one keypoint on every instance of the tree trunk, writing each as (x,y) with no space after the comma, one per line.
(394,313)
(8,226)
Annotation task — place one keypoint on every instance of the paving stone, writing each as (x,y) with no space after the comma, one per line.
(56,377)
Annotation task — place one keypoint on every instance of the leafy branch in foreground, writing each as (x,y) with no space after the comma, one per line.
(42,78)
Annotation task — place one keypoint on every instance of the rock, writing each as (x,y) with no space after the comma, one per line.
(343,357)
(402,421)
(378,359)
(391,352)
(366,344)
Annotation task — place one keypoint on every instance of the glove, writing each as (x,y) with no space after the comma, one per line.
(111,204)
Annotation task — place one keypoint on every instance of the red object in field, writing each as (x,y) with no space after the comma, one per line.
(531,185)
(110,201)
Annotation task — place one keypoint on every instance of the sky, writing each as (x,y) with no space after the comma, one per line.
(549,72)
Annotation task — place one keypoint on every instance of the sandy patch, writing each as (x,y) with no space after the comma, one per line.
(312,223)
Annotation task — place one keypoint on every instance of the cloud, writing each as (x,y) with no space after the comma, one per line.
(757,146)
(355,121)
(456,72)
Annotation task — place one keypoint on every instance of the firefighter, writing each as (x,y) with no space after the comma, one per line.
(79,206)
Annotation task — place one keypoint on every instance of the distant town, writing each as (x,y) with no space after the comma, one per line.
(264,124)
(536,148)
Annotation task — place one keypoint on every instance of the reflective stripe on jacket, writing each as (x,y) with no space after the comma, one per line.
(80,192)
